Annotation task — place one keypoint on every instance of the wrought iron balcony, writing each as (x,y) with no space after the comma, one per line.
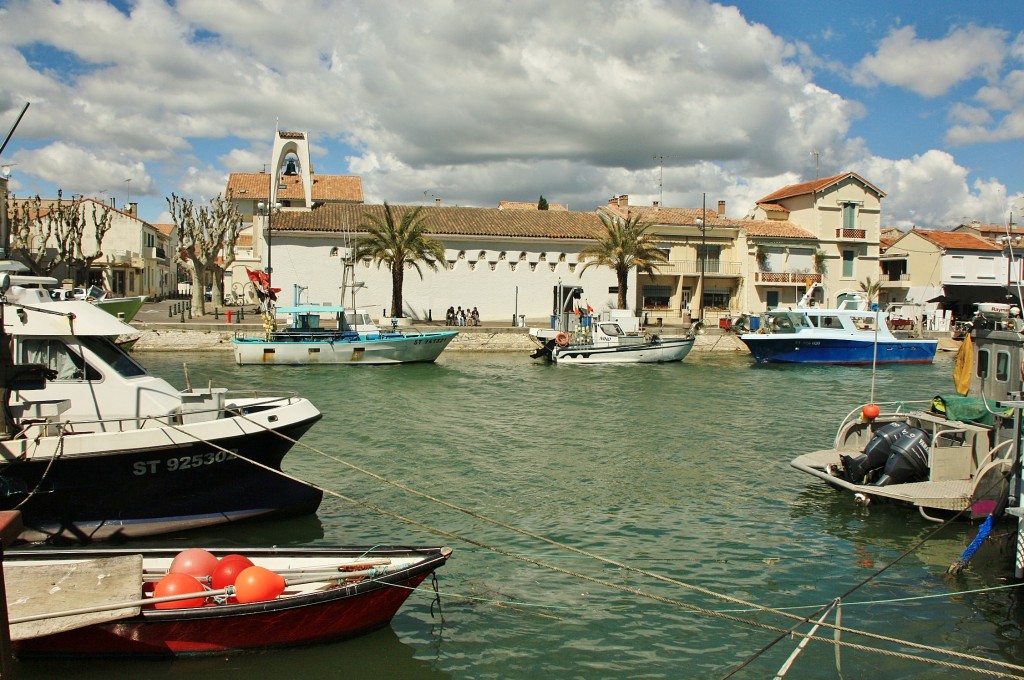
(854,234)
(784,278)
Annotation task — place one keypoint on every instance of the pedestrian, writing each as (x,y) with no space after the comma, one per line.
(475,316)
(460,317)
(449,317)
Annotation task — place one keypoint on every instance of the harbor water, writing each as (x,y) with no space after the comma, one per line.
(679,471)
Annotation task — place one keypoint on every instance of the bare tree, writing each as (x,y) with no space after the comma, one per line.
(205,233)
(31,234)
(71,231)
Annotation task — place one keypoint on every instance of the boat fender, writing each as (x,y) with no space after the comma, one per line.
(562,339)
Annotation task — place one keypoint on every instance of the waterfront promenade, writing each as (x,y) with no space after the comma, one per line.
(162,331)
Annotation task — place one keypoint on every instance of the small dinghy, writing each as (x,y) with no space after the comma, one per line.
(156,602)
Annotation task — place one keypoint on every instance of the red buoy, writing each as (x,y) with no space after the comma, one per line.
(228,569)
(178,584)
(256,584)
(870,412)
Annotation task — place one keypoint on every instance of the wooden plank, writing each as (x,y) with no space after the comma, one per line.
(46,588)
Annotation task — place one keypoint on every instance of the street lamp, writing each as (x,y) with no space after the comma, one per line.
(266,211)
(703,252)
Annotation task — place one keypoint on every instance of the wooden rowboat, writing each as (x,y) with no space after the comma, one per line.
(100,602)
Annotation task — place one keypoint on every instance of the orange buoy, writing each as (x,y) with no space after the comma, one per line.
(256,584)
(562,339)
(178,584)
(870,411)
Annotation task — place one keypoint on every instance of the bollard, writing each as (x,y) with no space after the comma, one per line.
(216,313)
(241,314)
(183,316)
(228,315)
(170,312)
(190,311)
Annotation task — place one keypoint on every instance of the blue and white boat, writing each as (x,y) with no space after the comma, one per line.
(849,334)
(353,338)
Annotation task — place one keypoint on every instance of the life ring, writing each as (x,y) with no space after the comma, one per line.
(562,339)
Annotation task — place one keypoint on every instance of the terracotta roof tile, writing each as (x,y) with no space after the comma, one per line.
(689,217)
(957,240)
(773,207)
(455,221)
(256,185)
(816,185)
(526,205)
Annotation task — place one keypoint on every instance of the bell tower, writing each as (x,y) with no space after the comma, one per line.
(291,157)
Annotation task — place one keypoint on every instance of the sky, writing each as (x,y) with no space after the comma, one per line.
(478,101)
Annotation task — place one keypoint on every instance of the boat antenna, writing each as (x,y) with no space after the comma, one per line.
(14,127)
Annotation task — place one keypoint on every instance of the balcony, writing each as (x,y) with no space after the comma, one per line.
(851,234)
(785,278)
(154,253)
(718,268)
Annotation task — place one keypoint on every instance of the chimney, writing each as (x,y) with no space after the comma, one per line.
(656,204)
(132,209)
(437,202)
(623,200)
(721,208)
(613,202)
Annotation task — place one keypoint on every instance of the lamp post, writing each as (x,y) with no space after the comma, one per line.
(703,252)
(266,211)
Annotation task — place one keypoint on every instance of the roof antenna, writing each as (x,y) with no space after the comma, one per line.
(816,155)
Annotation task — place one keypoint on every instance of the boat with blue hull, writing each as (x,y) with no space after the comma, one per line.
(93,446)
(848,334)
(354,340)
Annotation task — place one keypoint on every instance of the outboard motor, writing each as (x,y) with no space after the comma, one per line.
(908,461)
(876,453)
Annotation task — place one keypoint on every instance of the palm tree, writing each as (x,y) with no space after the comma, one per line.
(399,245)
(870,288)
(625,245)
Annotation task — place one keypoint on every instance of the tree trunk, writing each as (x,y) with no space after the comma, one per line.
(622,281)
(397,283)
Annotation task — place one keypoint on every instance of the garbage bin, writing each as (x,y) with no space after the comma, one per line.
(522,321)
(755,323)
(725,323)
(229,316)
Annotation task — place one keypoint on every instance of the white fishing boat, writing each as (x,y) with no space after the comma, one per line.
(576,336)
(849,334)
(352,338)
(95,447)
(957,453)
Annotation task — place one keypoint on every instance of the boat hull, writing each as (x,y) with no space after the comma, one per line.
(322,616)
(124,309)
(152,484)
(386,348)
(793,349)
(663,351)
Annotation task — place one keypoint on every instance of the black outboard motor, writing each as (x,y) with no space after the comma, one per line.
(876,453)
(908,461)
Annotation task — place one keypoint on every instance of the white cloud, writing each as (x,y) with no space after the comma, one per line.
(931,190)
(931,67)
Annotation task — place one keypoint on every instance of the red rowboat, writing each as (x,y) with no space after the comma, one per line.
(109,602)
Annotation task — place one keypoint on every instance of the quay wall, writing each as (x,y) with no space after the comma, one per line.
(199,337)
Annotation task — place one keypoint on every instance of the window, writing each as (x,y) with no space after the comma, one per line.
(711,257)
(982,368)
(772,299)
(56,355)
(717,298)
(849,215)
(657,297)
(848,264)
(1003,366)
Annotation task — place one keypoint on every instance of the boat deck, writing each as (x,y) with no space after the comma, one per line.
(952,495)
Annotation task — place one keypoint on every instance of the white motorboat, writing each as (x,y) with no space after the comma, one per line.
(613,337)
(95,447)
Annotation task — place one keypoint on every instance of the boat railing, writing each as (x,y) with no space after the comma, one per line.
(889,411)
(253,401)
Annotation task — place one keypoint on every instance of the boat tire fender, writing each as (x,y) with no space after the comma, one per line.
(562,339)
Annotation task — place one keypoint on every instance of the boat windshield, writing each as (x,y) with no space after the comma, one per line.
(113,355)
(787,322)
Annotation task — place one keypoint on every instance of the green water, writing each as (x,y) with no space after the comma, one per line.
(682,470)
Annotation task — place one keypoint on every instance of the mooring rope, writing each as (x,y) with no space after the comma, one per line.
(791,632)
